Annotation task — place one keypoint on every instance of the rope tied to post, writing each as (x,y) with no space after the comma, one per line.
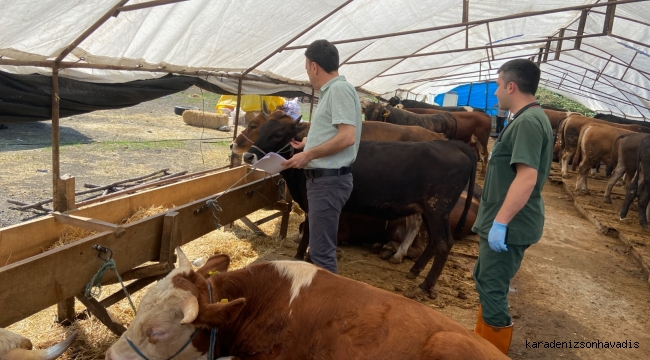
(94,287)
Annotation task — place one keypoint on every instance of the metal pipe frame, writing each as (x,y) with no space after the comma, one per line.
(476,22)
(528,42)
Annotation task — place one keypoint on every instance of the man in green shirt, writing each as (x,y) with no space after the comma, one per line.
(511,214)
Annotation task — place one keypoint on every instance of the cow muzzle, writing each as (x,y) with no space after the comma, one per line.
(250,158)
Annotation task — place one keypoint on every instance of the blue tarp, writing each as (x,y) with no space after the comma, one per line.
(474,95)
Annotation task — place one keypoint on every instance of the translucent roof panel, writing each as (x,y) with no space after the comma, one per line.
(608,72)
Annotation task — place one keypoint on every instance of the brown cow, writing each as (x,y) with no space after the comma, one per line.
(16,347)
(627,149)
(568,137)
(557,116)
(468,123)
(288,310)
(595,144)
(369,131)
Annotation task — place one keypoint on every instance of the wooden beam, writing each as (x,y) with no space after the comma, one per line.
(609,17)
(251,225)
(268,218)
(169,239)
(20,241)
(102,315)
(547,48)
(581,28)
(51,276)
(88,223)
(131,288)
(142,272)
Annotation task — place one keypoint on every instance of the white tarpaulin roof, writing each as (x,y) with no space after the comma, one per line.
(607,74)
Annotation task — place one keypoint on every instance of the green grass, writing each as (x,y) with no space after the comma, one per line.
(139,145)
(546,97)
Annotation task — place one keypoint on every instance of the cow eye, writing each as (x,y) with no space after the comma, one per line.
(251,127)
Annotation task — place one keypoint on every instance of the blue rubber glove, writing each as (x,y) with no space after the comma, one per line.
(497,237)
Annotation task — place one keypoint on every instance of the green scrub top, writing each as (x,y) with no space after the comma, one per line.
(528,139)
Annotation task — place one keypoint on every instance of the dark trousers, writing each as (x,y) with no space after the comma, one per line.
(492,275)
(326,196)
(500,121)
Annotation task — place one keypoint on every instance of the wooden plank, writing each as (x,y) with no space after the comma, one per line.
(131,288)
(20,241)
(68,191)
(88,223)
(268,218)
(142,272)
(63,272)
(65,312)
(169,239)
(251,225)
(102,315)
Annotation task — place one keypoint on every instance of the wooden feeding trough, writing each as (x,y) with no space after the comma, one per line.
(33,279)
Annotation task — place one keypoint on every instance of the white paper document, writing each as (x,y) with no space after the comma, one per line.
(270,163)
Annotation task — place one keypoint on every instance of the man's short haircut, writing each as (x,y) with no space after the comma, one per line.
(522,72)
(325,54)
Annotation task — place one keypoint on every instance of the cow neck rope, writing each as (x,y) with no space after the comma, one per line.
(533,104)
(213,332)
(277,152)
(213,337)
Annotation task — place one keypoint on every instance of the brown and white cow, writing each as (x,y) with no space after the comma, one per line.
(17,347)
(555,117)
(288,310)
(568,137)
(595,144)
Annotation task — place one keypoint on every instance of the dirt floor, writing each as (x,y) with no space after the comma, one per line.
(576,284)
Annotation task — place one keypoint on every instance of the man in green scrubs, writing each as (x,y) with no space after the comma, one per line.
(511,214)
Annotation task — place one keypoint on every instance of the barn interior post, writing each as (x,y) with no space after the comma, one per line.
(311,104)
(233,161)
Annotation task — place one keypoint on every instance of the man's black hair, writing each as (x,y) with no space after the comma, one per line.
(522,72)
(325,54)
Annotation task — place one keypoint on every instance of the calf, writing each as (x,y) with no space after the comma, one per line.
(287,310)
(627,147)
(392,180)
(640,186)
(16,347)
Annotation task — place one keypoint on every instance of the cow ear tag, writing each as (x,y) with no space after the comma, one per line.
(210,273)
(224,301)
(386,113)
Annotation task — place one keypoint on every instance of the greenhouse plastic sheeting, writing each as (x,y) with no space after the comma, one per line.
(203,38)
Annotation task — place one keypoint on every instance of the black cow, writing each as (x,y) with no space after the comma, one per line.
(392,180)
(619,120)
(413,104)
(640,186)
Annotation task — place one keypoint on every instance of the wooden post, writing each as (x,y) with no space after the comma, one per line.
(169,240)
(284,224)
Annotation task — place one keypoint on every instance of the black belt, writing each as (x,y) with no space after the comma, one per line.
(314,173)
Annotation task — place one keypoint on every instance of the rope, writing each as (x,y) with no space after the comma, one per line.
(213,203)
(94,287)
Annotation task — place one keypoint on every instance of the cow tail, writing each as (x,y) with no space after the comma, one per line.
(612,160)
(578,150)
(560,133)
(470,189)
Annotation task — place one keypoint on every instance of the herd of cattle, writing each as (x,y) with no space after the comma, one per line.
(414,181)
(585,142)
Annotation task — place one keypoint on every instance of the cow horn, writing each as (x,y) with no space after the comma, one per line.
(183,262)
(190,309)
(50,353)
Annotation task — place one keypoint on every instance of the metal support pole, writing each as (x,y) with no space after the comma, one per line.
(234,135)
(311,104)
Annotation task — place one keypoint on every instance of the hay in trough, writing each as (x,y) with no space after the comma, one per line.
(204,119)
(75,234)
(94,339)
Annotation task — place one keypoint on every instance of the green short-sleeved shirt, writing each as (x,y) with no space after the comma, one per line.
(529,140)
(338,104)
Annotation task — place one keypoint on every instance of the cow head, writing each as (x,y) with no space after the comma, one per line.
(275,136)
(171,315)
(394,101)
(16,347)
(376,112)
(246,138)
